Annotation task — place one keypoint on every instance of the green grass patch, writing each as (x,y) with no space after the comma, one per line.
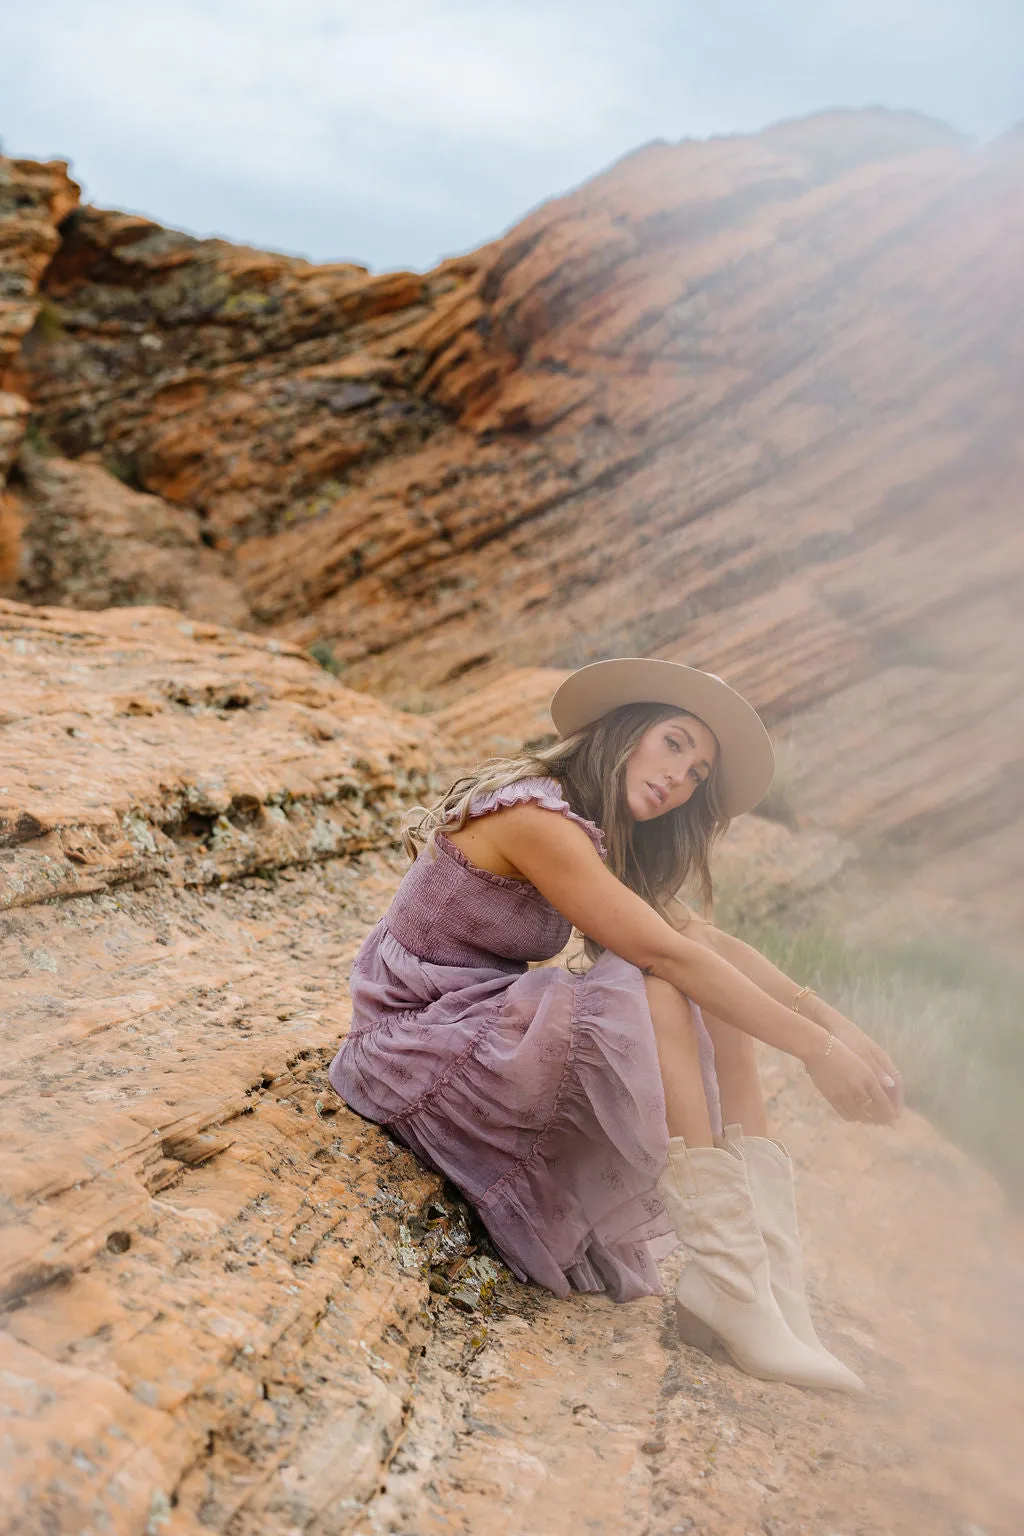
(322,652)
(947,1010)
(38,440)
(49,322)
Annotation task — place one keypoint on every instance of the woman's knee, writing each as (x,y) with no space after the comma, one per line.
(669,1008)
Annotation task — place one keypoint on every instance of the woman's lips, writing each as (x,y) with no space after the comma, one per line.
(658,795)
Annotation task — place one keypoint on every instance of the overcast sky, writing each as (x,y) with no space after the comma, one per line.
(394,132)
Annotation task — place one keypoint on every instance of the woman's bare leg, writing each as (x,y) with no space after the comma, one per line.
(739,1084)
(736,1053)
(675,1034)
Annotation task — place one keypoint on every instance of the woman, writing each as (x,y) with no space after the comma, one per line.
(595,1119)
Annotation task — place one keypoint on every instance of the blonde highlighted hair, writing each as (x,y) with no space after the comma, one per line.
(656,858)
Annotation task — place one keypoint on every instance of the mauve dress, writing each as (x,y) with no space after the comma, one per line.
(537,1092)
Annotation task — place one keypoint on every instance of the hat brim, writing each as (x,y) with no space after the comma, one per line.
(746,756)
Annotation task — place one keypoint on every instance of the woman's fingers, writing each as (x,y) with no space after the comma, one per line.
(876,1104)
(882,1065)
(883,1061)
(887,1062)
(891,1080)
(868,1101)
(852,1083)
(893,1086)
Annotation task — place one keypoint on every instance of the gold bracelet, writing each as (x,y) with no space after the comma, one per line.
(804,992)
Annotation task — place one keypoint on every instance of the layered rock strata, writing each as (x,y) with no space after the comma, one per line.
(33,202)
(199,1258)
(139,746)
(749,402)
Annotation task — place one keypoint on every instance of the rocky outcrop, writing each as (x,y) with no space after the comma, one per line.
(229,1305)
(748,402)
(82,536)
(250,387)
(139,746)
(33,201)
(151,1032)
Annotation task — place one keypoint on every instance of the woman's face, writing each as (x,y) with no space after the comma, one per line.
(670,761)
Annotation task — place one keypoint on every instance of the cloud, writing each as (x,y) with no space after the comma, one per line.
(254,76)
(334,125)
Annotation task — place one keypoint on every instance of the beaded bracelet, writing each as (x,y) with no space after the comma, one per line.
(795,1005)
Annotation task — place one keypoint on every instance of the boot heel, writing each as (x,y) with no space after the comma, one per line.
(693,1331)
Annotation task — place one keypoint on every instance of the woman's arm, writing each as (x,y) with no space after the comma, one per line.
(558,858)
(784,989)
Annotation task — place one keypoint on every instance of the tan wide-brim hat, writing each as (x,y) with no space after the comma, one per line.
(746,757)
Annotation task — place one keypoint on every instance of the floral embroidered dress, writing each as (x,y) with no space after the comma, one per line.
(537,1092)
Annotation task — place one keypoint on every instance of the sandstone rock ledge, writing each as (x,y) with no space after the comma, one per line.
(216,1313)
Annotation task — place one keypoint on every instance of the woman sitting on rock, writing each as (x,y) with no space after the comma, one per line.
(593,1119)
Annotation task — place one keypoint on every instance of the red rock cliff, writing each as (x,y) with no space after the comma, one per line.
(750,402)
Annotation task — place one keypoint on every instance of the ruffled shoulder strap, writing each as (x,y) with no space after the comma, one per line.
(546,793)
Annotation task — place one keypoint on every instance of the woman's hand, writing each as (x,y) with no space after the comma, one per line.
(868,1050)
(782,987)
(852,1085)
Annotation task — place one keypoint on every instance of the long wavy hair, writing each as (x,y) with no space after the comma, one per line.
(656,858)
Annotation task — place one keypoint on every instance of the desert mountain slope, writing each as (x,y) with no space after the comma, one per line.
(750,402)
(231,1306)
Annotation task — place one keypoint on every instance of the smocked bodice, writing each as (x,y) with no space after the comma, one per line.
(450,912)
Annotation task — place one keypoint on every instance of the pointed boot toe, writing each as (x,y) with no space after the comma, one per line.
(753,1332)
(845,1379)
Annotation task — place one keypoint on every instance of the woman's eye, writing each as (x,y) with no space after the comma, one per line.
(673,743)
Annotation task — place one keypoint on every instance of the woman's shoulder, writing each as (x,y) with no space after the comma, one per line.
(535,790)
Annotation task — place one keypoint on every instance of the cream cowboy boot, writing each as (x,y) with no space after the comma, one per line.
(770,1174)
(725,1289)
